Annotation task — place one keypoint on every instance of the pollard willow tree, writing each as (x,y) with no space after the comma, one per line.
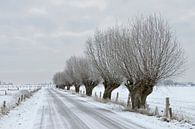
(146,51)
(87,74)
(71,71)
(59,80)
(68,82)
(99,52)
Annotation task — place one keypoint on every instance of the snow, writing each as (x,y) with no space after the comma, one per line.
(181,99)
(150,122)
(24,115)
(30,113)
(12,94)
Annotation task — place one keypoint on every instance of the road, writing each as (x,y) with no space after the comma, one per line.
(62,110)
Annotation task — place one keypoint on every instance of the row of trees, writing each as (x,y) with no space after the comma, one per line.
(139,53)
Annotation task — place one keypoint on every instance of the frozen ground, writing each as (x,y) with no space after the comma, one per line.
(57,109)
(182,99)
(11,93)
(23,116)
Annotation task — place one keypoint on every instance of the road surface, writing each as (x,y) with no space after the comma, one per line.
(61,110)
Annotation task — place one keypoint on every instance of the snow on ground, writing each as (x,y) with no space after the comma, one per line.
(149,122)
(23,116)
(11,93)
(181,99)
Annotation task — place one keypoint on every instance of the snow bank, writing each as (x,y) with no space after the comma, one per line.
(11,95)
(182,99)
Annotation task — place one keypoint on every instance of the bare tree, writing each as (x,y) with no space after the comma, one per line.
(87,74)
(60,80)
(67,80)
(55,79)
(71,71)
(146,51)
(142,52)
(99,52)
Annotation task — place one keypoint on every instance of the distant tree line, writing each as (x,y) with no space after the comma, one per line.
(140,54)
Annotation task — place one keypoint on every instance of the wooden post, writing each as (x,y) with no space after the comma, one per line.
(128,101)
(167,107)
(4,104)
(95,94)
(170,113)
(18,100)
(100,94)
(4,108)
(117,96)
(24,97)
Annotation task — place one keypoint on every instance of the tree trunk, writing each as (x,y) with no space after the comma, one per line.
(89,90)
(77,89)
(136,101)
(109,87)
(89,85)
(148,90)
(139,95)
(68,87)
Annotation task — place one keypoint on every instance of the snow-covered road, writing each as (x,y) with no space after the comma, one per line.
(56,109)
(61,111)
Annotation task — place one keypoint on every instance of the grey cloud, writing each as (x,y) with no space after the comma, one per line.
(36,37)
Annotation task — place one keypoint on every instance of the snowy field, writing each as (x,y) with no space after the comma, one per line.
(182,99)
(58,109)
(11,93)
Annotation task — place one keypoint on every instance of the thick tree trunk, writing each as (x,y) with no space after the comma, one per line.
(61,86)
(139,95)
(77,89)
(109,87)
(68,87)
(89,85)
(136,100)
(89,90)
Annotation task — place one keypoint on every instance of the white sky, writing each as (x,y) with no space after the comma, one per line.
(37,36)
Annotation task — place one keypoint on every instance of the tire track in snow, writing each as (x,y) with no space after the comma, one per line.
(42,118)
(103,118)
(72,119)
(87,119)
(56,119)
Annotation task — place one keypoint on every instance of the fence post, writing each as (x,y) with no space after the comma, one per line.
(100,94)
(24,97)
(4,107)
(128,101)
(117,96)
(18,100)
(168,110)
(167,104)
(95,95)
(4,104)
(170,113)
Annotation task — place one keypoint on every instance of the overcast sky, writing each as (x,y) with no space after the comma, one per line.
(37,36)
